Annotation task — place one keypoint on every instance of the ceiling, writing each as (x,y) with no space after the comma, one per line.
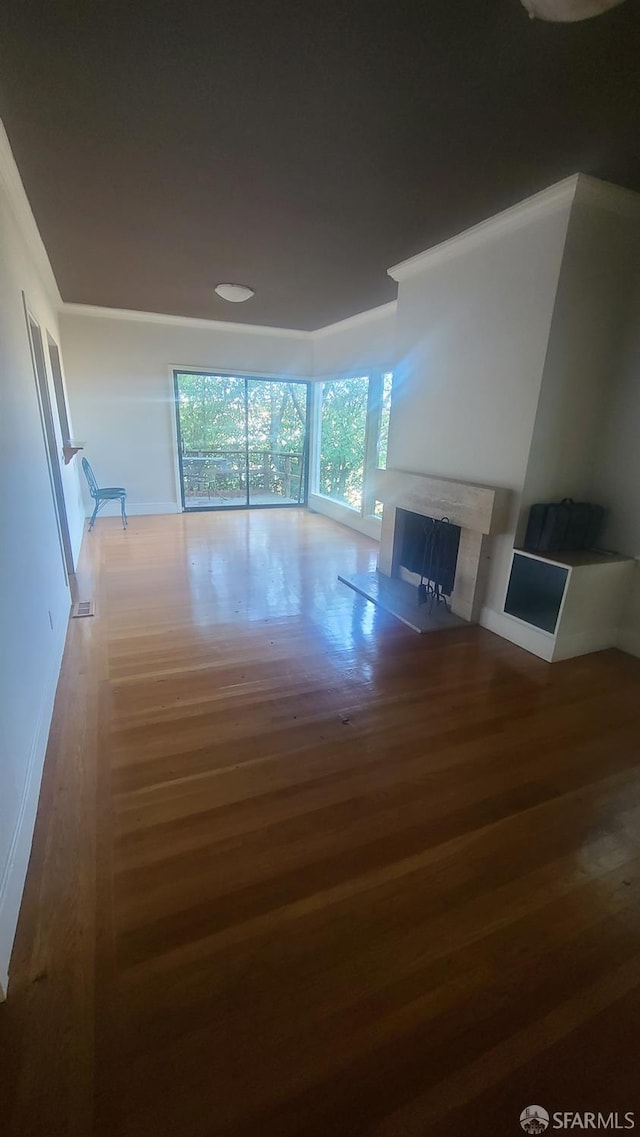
(298,147)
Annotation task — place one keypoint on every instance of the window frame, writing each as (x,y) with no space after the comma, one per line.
(244,377)
(375,396)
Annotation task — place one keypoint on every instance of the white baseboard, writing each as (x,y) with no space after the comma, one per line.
(546,647)
(537,642)
(629,641)
(584,643)
(368,526)
(14,871)
(139,509)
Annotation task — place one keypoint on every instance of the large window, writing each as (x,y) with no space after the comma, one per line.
(343,428)
(242,441)
(353,428)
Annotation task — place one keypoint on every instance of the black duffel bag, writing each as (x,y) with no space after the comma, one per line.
(563,526)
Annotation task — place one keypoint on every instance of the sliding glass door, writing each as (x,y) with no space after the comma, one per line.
(277,433)
(241,441)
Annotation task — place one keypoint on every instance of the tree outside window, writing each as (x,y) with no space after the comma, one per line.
(354,430)
(343,427)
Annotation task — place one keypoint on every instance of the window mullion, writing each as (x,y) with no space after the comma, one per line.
(374,413)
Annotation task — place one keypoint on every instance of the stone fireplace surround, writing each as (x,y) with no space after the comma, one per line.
(480,511)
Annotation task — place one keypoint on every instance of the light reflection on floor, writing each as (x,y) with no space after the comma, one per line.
(281,580)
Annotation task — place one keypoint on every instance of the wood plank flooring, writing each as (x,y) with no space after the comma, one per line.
(299,871)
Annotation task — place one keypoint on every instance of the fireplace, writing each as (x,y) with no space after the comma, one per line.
(473,513)
(433,548)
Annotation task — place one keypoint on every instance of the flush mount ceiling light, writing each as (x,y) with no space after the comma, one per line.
(567,11)
(234,293)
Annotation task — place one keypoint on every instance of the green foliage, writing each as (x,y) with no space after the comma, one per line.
(342,447)
(213,420)
(212,414)
(385,415)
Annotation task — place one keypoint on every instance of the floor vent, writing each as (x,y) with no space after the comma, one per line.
(83,608)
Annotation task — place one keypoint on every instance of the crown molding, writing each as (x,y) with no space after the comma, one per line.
(96,312)
(366,317)
(542,204)
(11,183)
(100,313)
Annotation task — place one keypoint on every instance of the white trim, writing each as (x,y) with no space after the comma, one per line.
(315,410)
(356,321)
(48,420)
(515,217)
(26,222)
(138,509)
(524,635)
(101,313)
(15,868)
(237,373)
(175,420)
(584,643)
(543,644)
(348,373)
(95,312)
(344,515)
(303,380)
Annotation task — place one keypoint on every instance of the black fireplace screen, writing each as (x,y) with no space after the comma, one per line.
(430,549)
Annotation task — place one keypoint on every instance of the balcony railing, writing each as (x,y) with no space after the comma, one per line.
(211,474)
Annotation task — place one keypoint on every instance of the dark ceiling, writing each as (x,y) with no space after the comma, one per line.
(299,147)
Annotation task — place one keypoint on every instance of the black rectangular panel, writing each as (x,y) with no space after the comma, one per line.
(535,592)
(426,542)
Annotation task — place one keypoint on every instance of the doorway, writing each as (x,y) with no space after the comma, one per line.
(242,441)
(51,447)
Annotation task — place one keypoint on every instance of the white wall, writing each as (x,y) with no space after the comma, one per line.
(472,332)
(582,368)
(472,335)
(34,597)
(121,389)
(585,440)
(615,475)
(616,469)
(629,634)
(119,376)
(357,345)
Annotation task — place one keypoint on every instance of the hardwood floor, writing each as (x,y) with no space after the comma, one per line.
(298,870)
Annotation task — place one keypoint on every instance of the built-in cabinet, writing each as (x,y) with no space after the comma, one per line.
(565,604)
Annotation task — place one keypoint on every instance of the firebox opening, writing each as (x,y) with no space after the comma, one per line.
(430,549)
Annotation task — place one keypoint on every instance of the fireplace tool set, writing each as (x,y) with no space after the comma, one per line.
(433,564)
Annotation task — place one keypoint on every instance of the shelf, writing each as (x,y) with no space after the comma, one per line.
(70,449)
(578,559)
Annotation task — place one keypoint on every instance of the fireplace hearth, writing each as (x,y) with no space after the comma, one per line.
(433,547)
(400,598)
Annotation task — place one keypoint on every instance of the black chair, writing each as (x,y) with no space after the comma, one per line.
(102,494)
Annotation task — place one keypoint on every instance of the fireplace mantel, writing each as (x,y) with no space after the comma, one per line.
(480,511)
